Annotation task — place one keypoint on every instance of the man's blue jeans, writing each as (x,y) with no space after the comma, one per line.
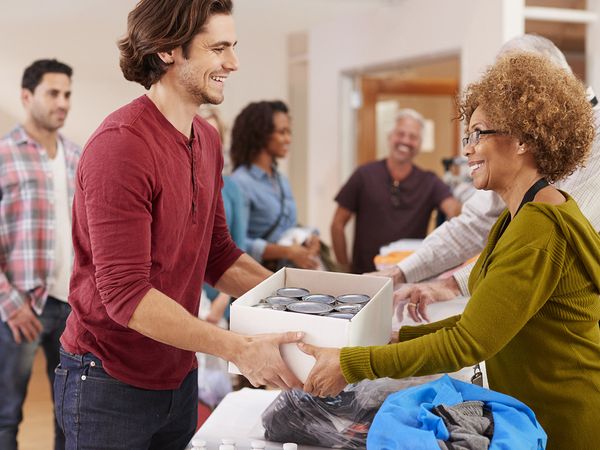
(16,361)
(97,411)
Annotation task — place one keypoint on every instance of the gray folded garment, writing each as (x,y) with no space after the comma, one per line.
(470,424)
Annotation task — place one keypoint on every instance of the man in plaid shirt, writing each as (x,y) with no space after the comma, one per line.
(37,171)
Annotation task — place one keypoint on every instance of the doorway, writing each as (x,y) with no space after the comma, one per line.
(431,89)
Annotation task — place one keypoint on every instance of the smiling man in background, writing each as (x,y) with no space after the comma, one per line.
(391,198)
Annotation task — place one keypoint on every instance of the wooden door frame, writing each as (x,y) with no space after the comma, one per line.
(372,88)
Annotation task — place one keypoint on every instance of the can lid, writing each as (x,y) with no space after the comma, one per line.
(228,441)
(257,444)
(279,307)
(349,308)
(198,442)
(340,315)
(262,306)
(319,298)
(353,298)
(226,447)
(293,292)
(309,307)
(279,300)
(290,446)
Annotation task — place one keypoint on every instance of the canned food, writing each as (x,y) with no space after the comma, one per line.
(319,298)
(309,307)
(354,299)
(279,307)
(294,292)
(279,300)
(340,315)
(262,305)
(348,308)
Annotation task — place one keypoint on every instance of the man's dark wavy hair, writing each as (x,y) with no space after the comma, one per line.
(155,26)
(252,129)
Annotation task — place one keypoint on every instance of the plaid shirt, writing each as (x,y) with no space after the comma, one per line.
(27,219)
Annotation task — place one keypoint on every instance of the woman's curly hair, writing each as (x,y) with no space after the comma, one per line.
(543,106)
(252,129)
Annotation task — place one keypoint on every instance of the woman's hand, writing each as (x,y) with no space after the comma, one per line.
(326,378)
(301,257)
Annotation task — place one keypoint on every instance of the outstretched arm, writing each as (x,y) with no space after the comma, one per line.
(338,237)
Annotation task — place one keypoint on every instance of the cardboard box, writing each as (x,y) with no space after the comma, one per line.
(371,326)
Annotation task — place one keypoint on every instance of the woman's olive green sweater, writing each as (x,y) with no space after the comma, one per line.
(533,317)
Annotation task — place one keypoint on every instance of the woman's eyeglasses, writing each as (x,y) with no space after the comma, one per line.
(473,137)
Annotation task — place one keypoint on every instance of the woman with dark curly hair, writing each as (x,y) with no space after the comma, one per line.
(534,311)
(261,135)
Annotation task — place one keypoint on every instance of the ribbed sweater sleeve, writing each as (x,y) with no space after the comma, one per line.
(511,286)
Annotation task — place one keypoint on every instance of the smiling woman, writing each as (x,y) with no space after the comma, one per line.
(534,310)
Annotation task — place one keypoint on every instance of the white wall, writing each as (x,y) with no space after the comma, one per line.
(83,33)
(593,58)
(413,30)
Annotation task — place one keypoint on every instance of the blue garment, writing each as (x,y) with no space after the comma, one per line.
(16,361)
(404,421)
(262,195)
(97,411)
(233,202)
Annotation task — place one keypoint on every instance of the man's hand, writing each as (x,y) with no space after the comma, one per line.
(260,360)
(302,257)
(416,297)
(394,273)
(24,324)
(326,378)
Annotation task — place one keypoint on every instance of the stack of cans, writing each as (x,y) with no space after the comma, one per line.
(300,300)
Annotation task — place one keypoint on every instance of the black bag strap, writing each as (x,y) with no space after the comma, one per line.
(268,233)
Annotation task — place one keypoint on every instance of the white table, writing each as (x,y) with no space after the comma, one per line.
(238,417)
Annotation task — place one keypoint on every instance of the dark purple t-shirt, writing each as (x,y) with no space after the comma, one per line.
(381,219)
(147,214)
